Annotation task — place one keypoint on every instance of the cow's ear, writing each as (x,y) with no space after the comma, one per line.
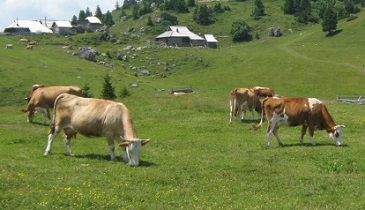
(144,142)
(124,144)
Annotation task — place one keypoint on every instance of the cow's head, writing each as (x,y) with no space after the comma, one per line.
(336,134)
(132,150)
(30,114)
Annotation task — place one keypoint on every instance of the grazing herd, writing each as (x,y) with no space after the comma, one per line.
(29,44)
(74,114)
(310,113)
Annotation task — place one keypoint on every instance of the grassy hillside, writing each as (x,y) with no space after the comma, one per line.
(195,159)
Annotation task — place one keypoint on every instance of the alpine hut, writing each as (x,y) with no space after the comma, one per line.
(62,27)
(211,41)
(180,36)
(27,27)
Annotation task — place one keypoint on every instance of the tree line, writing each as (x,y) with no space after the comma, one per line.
(106,18)
(326,12)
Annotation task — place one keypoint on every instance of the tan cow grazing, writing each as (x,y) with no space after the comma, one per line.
(23,40)
(308,112)
(95,117)
(33,43)
(264,92)
(242,99)
(32,89)
(29,47)
(43,98)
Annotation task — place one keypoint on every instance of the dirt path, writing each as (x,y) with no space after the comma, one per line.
(305,57)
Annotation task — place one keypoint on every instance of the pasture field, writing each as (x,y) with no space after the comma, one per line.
(195,159)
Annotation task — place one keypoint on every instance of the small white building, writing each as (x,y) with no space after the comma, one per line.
(180,36)
(93,23)
(27,27)
(62,27)
(210,40)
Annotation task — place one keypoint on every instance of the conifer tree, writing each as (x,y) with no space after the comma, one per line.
(88,13)
(108,19)
(259,8)
(86,91)
(98,13)
(82,15)
(191,3)
(289,7)
(329,22)
(108,91)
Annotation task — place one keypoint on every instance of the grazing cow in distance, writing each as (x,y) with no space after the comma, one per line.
(308,112)
(95,117)
(33,88)
(8,46)
(23,40)
(264,92)
(33,43)
(29,47)
(242,99)
(42,99)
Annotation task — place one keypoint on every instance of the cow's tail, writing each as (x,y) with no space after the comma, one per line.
(234,108)
(258,126)
(52,123)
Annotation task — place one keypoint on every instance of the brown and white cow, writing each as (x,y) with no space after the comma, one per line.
(42,99)
(263,91)
(308,112)
(95,117)
(242,99)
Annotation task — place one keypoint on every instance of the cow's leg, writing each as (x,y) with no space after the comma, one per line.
(268,134)
(243,115)
(45,114)
(51,136)
(243,111)
(67,141)
(275,131)
(253,114)
(68,134)
(111,147)
(30,116)
(125,154)
(311,134)
(48,115)
(304,130)
(230,114)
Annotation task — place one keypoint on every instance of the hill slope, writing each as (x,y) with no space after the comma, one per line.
(302,62)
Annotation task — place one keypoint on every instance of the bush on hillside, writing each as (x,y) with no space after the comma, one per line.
(240,30)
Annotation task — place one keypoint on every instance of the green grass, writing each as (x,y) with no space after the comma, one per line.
(195,159)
